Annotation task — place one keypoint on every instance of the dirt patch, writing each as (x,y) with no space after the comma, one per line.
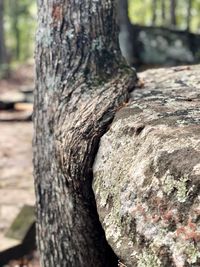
(16,179)
(22,76)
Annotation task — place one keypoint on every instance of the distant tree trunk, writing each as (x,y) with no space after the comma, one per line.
(173,12)
(189,7)
(16,28)
(163,12)
(80,82)
(3,57)
(14,17)
(154,11)
(127,36)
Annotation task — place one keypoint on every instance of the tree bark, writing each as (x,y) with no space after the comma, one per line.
(80,82)
(2,37)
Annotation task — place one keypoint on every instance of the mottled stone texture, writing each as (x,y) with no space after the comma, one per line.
(146,173)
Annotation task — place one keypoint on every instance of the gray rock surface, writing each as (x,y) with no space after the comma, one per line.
(147,172)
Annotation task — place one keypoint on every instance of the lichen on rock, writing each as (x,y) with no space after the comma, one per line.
(147,172)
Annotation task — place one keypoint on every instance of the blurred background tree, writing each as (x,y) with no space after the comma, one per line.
(3,52)
(166,32)
(18,24)
(17,30)
(179,14)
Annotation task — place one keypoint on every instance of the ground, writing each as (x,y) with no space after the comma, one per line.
(22,76)
(16,178)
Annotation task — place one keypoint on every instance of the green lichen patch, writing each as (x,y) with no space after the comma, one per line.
(192,252)
(146,176)
(180,186)
(148,259)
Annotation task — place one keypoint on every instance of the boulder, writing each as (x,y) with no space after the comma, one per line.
(147,172)
(161,46)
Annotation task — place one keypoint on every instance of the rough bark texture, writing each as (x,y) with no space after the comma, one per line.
(80,83)
(146,173)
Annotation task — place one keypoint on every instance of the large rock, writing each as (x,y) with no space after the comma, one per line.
(163,46)
(147,173)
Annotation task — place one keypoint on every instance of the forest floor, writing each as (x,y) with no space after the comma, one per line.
(16,178)
(22,76)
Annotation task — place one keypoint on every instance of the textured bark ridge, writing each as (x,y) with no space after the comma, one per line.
(146,173)
(80,83)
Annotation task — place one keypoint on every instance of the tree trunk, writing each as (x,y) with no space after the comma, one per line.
(80,82)
(189,7)
(173,12)
(163,12)
(154,11)
(16,30)
(127,38)
(2,37)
